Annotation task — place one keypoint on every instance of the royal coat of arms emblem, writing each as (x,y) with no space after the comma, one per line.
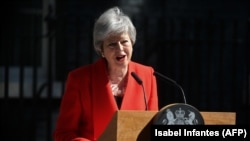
(178,114)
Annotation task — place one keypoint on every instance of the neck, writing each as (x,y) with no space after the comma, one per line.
(116,75)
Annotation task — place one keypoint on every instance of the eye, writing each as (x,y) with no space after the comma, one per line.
(112,45)
(125,42)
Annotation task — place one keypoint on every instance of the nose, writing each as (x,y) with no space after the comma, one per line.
(119,46)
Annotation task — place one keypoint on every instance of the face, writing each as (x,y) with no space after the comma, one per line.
(118,50)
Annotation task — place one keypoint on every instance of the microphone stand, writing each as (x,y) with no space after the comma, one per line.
(171,81)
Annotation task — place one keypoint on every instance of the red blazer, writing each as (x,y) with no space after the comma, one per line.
(88,104)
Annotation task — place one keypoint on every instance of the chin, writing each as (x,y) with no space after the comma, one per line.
(125,63)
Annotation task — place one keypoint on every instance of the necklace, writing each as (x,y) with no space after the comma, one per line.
(118,88)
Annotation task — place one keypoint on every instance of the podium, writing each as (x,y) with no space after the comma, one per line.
(135,125)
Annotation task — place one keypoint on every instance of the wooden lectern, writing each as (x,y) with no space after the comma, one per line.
(135,125)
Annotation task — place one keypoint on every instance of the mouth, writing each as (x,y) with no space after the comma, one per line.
(120,58)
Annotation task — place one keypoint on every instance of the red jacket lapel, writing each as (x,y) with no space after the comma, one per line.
(104,105)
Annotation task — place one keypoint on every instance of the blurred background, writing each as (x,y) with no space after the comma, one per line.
(202,45)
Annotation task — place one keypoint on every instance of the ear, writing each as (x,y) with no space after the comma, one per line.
(102,54)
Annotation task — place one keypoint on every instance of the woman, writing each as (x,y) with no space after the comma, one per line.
(96,91)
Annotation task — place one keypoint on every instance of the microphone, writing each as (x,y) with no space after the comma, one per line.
(177,113)
(171,81)
(139,81)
